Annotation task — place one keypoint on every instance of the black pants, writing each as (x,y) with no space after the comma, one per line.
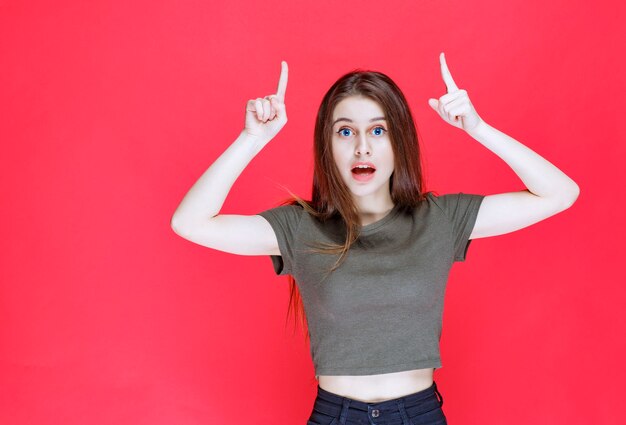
(420,408)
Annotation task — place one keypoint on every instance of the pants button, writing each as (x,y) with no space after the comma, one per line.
(375,413)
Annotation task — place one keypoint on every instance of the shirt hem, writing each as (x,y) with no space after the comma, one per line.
(369,370)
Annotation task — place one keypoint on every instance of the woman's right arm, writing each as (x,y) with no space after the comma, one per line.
(197,217)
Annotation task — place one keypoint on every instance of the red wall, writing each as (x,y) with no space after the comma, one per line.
(110,111)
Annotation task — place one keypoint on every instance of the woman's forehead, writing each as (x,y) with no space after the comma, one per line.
(358,108)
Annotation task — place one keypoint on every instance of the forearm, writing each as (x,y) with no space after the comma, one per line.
(540,176)
(206,197)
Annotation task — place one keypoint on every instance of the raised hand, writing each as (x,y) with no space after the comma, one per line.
(454,107)
(265,117)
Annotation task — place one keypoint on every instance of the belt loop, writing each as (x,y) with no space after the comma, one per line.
(438,394)
(344,411)
(405,417)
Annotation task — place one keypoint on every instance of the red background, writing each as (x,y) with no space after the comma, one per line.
(110,111)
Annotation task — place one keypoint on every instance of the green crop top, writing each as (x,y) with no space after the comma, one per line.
(381,310)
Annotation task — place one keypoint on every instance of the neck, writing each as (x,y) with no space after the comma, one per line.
(373,206)
(371,216)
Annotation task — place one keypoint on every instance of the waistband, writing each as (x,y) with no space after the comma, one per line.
(337,401)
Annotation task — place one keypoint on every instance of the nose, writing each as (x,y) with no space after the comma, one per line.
(363,146)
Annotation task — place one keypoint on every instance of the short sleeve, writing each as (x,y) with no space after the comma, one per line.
(461,209)
(285,220)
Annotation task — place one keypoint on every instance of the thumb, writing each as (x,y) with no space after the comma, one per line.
(434,103)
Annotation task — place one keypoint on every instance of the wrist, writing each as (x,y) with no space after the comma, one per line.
(253,138)
(479,128)
(252,141)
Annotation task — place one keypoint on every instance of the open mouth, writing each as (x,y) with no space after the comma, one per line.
(363,172)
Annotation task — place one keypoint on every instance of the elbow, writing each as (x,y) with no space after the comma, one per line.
(176,225)
(574,194)
(570,196)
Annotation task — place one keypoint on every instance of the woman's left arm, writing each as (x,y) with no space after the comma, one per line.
(549,190)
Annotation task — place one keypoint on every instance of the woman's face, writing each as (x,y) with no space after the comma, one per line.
(360,135)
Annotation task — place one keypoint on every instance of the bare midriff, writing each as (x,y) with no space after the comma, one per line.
(376,388)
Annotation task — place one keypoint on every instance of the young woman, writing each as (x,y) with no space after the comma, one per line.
(372,250)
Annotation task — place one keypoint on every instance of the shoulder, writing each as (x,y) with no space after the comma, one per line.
(288,218)
(431,201)
(290,212)
(450,201)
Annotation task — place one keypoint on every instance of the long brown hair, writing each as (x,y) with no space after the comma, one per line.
(330,195)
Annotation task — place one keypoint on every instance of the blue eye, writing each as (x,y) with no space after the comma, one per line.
(341,131)
(381,131)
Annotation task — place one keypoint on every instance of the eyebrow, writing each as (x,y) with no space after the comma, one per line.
(349,120)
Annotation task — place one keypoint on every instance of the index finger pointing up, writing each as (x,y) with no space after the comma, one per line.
(282,82)
(445,73)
